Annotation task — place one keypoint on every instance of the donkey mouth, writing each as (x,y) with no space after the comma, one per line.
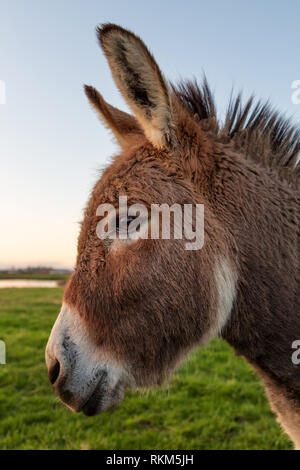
(93,405)
(102,398)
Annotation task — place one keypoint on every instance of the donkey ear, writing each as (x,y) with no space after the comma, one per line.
(122,125)
(140,81)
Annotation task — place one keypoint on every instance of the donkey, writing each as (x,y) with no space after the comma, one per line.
(133,309)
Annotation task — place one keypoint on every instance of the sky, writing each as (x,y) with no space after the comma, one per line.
(52,145)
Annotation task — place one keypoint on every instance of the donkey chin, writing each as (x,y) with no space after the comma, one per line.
(85,378)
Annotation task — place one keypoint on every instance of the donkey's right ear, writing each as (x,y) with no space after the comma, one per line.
(123,125)
(141,83)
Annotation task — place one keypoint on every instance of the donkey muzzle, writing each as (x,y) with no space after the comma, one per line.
(85,378)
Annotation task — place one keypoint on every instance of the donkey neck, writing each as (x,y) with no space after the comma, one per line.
(262,215)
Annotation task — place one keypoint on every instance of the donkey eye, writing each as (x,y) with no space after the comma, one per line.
(123,222)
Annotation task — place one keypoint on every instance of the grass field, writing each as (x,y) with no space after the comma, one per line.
(214,401)
(44,277)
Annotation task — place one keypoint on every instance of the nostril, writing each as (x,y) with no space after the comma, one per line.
(54,372)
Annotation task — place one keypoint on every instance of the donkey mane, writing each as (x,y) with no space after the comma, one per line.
(255,128)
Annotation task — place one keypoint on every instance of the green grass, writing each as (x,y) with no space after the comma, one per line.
(45,277)
(214,401)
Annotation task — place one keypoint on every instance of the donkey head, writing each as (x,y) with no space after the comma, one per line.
(134,307)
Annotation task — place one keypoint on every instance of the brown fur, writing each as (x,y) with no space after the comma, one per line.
(150,302)
(124,126)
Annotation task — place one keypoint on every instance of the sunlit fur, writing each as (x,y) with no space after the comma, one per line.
(146,304)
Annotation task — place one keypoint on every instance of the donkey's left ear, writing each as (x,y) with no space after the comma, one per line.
(141,83)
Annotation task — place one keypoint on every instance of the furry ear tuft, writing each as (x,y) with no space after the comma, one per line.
(140,81)
(123,125)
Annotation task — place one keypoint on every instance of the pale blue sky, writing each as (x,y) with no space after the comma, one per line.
(51,143)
